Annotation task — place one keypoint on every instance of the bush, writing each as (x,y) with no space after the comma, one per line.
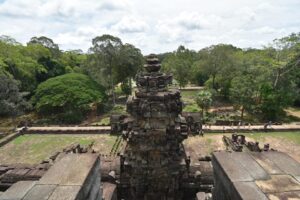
(69,97)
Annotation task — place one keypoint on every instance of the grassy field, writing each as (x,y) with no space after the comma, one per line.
(189,93)
(189,99)
(288,142)
(32,149)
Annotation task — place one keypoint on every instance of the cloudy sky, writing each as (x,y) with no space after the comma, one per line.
(151,25)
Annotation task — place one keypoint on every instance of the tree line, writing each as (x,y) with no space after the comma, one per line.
(59,84)
(41,77)
(260,81)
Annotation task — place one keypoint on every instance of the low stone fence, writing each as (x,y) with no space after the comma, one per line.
(11,137)
(68,130)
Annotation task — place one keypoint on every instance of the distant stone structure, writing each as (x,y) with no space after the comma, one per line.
(154,164)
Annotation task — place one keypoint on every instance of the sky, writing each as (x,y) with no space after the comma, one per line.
(154,26)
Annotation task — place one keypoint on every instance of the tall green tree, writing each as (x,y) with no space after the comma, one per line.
(22,67)
(219,63)
(48,43)
(104,59)
(179,63)
(130,61)
(204,100)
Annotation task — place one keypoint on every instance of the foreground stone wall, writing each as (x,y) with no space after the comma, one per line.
(255,175)
(74,177)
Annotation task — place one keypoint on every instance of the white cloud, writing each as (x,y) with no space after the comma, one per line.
(154,26)
(130,25)
(184,26)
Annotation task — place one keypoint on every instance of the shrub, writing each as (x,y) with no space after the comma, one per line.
(69,97)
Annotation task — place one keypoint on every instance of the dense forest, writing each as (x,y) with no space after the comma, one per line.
(65,85)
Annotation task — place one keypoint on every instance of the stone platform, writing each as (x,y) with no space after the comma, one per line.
(75,176)
(255,175)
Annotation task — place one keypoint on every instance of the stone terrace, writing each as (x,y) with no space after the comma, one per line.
(75,176)
(255,175)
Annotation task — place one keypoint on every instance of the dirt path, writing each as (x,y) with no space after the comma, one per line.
(283,127)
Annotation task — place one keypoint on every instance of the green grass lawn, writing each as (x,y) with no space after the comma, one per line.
(261,136)
(287,142)
(188,97)
(189,93)
(291,136)
(32,149)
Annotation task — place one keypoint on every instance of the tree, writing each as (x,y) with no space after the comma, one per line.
(125,87)
(103,60)
(280,88)
(52,68)
(68,97)
(74,59)
(131,60)
(281,51)
(204,100)
(179,63)
(48,43)
(22,67)
(12,101)
(242,92)
(218,62)
(44,41)
(9,40)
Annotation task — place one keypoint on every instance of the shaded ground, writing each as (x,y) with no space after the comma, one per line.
(288,142)
(32,149)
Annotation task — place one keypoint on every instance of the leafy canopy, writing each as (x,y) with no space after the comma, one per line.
(69,96)
(12,102)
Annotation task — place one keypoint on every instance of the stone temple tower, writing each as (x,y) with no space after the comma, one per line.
(153,162)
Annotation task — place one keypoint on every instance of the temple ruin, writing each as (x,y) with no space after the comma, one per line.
(154,164)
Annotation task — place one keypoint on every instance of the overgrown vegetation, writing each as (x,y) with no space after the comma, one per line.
(59,83)
(259,82)
(262,82)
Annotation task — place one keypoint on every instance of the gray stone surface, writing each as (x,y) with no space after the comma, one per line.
(40,192)
(297,178)
(249,191)
(17,190)
(274,176)
(74,177)
(234,170)
(70,170)
(268,165)
(279,183)
(66,193)
(285,195)
(93,180)
(94,193)
(284,162)
(253,168)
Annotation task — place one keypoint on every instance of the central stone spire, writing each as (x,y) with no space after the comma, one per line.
(154,160)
